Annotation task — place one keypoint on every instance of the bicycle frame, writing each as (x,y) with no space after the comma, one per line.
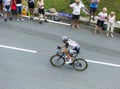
(60,53)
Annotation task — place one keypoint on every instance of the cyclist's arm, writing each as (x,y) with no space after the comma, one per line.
(65,46)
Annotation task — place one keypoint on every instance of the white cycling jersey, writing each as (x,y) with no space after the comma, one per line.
(72,44)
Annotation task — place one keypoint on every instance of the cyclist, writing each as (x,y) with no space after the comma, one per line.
(70,47)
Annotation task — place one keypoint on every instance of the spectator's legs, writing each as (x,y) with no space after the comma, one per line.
(45,18)
(94,10)
(73,23)
(96,28)
(92,14)
(31,13)
(91,11)
(76,23)
(39,15)
(7,12)
(19,13)
(100,30)
(112,29)
(1,10)
(108,27)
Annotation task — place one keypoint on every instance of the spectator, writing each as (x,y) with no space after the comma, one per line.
(19,10)
(41,11)
(76,7)
(101,18)
(93,8)
(13,8)
(31,4)
(111,24)
(1,8)
(7,10)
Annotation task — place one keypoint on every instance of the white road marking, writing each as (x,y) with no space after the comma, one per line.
(50,21)
(103,63)
(19,49)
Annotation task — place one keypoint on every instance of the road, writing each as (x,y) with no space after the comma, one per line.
(26,47)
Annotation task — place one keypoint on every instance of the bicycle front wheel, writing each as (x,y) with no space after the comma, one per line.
(80,64)
(57,60)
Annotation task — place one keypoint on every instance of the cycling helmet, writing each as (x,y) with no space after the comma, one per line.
(64,38)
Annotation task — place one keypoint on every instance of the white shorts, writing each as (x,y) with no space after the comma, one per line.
(7,8)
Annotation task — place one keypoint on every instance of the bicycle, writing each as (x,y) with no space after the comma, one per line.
(58,60)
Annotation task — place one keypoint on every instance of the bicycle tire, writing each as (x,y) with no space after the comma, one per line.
(80,64)
(59,60)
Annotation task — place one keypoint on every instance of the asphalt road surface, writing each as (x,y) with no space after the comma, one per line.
(26,47)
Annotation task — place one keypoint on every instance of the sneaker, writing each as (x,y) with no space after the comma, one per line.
(2,15)
(18,20)
(21,19)
(11,18)
(40,22)
(107,35)
(69,61)
(5,19)
(111,35)
(93,19)
(45,21)
(31,18)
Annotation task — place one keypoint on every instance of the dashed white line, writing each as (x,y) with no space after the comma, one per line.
(19,49)
(103,63)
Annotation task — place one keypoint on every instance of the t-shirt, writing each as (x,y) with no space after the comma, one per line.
(102,16)
(13,6)
(7,2)
(19,3)
(30,0)
(41,5)
(71,44)
(111,19)
(76,8)
(94,5)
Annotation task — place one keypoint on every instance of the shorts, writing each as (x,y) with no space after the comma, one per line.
(41,11)
(14,12)
(76,50)
(30,5)
(1,6)
(92,10)
(75,17)
(100,23)
(1,2)
(19,9)
(7,8)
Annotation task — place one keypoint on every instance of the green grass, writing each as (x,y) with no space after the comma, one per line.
(63,5)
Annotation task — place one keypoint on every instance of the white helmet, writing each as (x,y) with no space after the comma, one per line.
(64,38)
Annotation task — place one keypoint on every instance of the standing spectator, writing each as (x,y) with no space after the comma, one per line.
(13,8)
(7,10)
(93,8)
(101,18)
(31,4)
(111,24)
(19,10)
(1,8)
(41,11)
(76,7)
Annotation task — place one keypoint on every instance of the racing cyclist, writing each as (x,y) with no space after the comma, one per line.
(70,47)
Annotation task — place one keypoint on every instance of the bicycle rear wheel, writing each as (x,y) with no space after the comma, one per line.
(57,60)
(80,64)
